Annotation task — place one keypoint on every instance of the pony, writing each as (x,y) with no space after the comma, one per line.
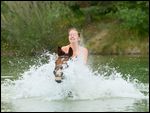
(61,64)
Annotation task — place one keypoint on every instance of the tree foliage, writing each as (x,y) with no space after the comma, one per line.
(31,26)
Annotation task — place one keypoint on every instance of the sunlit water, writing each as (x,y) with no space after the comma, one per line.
(36,90)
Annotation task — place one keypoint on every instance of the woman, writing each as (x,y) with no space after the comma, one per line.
(78,51)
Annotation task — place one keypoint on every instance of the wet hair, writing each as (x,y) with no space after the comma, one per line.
(73,28)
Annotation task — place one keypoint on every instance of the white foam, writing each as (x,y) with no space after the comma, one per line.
(39,81)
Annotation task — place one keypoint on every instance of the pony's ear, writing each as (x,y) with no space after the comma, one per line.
(60,52)
(70,53)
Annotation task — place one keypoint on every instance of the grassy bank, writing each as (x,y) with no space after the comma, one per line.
(110,38)
(30,27)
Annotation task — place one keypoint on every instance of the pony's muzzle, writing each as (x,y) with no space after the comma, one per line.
(58,79)
(58,72)
(58,76)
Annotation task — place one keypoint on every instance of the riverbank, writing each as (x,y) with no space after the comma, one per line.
(108,38)
(108,28)
(102,38)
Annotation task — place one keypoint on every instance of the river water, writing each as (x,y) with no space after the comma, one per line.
(107,83)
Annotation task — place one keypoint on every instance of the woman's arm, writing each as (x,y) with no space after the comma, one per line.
(85,55)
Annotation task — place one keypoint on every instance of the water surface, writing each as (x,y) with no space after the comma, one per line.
(108,83)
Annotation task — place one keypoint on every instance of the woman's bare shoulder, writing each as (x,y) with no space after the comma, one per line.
(65,48)
(84,49)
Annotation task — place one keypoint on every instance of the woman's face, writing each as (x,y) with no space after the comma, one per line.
(73,36)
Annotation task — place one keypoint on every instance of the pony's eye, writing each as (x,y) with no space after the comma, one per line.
(62,74)
(65,66)
(54,72)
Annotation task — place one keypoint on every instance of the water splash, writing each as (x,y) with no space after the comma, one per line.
(80,83)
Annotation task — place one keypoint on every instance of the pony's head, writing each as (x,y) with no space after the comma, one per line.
(61,63)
